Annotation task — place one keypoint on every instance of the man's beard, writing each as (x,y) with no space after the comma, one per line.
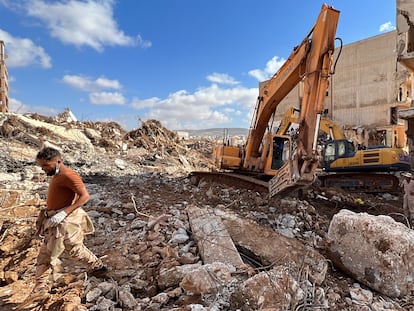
(51,173)
(54,171)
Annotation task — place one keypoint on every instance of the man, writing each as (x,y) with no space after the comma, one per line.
(407,185)
(64,223)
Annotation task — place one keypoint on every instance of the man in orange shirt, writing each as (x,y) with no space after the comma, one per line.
(64,223)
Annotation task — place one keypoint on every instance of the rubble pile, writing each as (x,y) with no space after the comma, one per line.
(152,133)
(173,245)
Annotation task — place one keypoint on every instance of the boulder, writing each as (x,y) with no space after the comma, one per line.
(375,250)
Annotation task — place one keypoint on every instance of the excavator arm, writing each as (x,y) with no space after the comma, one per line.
(288,76)
(313,68)
(327,126)
(309,62)
(332,129)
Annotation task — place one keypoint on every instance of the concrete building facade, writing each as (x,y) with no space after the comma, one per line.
(405,51)
(367,90)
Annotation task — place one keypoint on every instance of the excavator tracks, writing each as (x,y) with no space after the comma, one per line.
(352,182)
(231,179)
(360,182)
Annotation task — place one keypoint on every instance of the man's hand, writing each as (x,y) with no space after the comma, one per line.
(57,218)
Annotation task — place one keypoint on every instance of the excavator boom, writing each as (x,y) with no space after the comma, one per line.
(300,169)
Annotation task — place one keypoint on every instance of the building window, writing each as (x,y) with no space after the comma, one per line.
(394,116)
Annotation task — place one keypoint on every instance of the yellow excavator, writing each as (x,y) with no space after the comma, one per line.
(366,170)
(330,128)
(344,165)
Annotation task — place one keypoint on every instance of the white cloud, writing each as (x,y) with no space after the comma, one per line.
(386,27)
(145,103)
(207,107)
(107,98)
(11,4)
(272,66)
(81,23)
(211,106)
(89,85)
(222,78)
(17,106)
(23,52)
(108,84)
(97,89)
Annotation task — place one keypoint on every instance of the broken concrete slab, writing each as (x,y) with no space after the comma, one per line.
(375,250)
(273,249)
(212,238)
(69,133)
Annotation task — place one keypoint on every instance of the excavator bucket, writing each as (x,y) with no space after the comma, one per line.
(289,178)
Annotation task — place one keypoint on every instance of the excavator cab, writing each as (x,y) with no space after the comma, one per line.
(335,149)
(277,151)
(281,151)
(342,156)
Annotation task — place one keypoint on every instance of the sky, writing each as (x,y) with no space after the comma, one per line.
(190,64)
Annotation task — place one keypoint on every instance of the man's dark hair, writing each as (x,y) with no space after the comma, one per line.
(48,154)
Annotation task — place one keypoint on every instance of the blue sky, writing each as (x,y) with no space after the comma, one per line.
(191,64)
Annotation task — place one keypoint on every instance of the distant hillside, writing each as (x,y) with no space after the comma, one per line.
(217,132)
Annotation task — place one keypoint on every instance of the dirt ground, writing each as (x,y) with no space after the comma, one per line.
(136,210)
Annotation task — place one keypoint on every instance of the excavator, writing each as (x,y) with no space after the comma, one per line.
(330,128)
(365,170)
(344,165)
(281,161)
(290,163)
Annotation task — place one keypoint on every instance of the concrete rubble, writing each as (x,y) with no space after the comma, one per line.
(270,248)
(376,250)
(173,245)
(213,240)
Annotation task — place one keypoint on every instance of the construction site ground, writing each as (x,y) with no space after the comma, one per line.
(140,190)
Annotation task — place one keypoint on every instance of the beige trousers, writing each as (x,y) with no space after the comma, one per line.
(67,236)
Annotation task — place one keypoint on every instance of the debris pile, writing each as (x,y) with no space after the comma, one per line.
(173,245)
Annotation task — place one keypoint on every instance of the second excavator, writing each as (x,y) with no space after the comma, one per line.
(343,164)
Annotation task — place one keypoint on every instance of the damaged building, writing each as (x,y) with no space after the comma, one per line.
(367,90)
(370,93)
(4,80)
(405,51)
